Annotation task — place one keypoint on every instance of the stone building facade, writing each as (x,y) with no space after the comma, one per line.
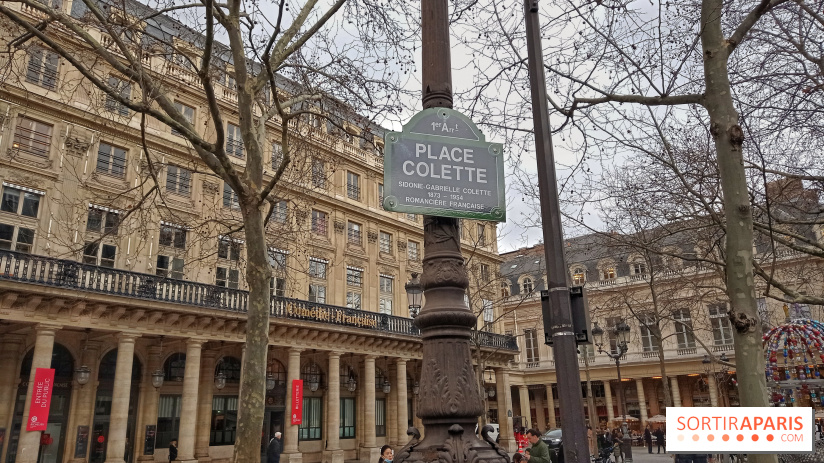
(139,305)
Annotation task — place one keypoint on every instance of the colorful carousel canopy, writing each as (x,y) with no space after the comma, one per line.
(794,350)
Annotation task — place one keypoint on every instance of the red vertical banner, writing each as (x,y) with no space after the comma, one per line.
(297,401)
(41,393)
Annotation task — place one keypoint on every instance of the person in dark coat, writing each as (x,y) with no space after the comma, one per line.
(274,449)
(648,438)
(173,449)
(659,437)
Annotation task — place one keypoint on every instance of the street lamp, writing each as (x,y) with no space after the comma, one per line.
(220,381)
(414,292)
(621,332)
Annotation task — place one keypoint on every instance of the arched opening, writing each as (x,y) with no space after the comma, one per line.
(103,407)
(168,405)
(63,365)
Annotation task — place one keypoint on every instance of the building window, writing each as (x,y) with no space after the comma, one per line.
(531,347)
(353,300)
(42,68)
(353,233)
(579,276)
(318,173)
(720,320)
(608,273)
(279,211)
(230,198)
(380,417)
(102,221)
(380,194)
(484,273)
(310,427)
(187,112)
(412,250)
(32,137)
(489,311)
(353,185)
(224,420)
(317,293)
(169,267)
(385,243)
(168,420)
(648,332)
(683,328)
(227,277)
(234,141)
(481,234)
(528,285)
(18,239)
(277,287)
(386,286)
(354,276)
(178,180)
(111,160)
(504,289)
(639,268)
(317,268)
(277,156)
(22,202)
(277,259)
(172,236)
(124,89)
(229,249)
(97,254)
(347,418)
(320,222)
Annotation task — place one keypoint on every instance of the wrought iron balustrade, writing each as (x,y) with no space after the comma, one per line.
(63,273)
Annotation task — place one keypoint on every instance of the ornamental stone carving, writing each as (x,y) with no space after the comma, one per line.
(77,146)
(372,235)
(339,226)
(210,187)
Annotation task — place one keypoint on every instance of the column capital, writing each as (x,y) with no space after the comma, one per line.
(192,342)
(401,361)
(523,386)
(47,327)
(334,354)
(127,336)
(295,350)
(370,357)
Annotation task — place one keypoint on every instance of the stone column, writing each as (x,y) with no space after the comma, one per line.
(523,392)
(403,403)
(642,401)
(369,452)
(676,392)
(391,408)
(553,420)
(333,452)
(29,444)
(608,400)
(188,406)
(539,412)
(150,399)
(504,393)
(119,418)
(204,405)
(10,357)
(290,431)
(712,385)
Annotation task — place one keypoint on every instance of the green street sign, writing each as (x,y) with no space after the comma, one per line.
(442,165)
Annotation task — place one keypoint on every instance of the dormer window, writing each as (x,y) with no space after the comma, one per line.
(639,268)
(608,273)
(579,276)
(504,289)
(528,285)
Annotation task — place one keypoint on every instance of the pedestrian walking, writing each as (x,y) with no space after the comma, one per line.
(618,443)
(173,449)
(274,449)
(660,437)
(648,438)
(538,451)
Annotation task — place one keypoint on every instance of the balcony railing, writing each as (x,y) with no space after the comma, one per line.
(50,271)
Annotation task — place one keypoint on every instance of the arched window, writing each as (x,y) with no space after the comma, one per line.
(230,367)
(175,366)
(608,272)
(312,376)
(527,285)
(380,377)
(579,276)
(62,362)
(505,289)
(107,368)
(278,372)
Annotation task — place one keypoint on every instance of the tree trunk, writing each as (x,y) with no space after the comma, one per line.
(658,341)
(729,139)
(253,383)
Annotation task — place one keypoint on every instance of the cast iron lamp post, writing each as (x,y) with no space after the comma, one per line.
(414,293)
(621,332)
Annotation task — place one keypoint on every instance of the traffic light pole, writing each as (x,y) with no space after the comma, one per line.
(575,442)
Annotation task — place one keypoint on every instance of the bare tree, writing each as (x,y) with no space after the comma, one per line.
(287,66)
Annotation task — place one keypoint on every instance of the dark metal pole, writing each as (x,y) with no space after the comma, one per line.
(622,397)
(449,399)
(576,446)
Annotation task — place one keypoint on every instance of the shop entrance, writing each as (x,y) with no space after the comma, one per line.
(103,408)
(51,450)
